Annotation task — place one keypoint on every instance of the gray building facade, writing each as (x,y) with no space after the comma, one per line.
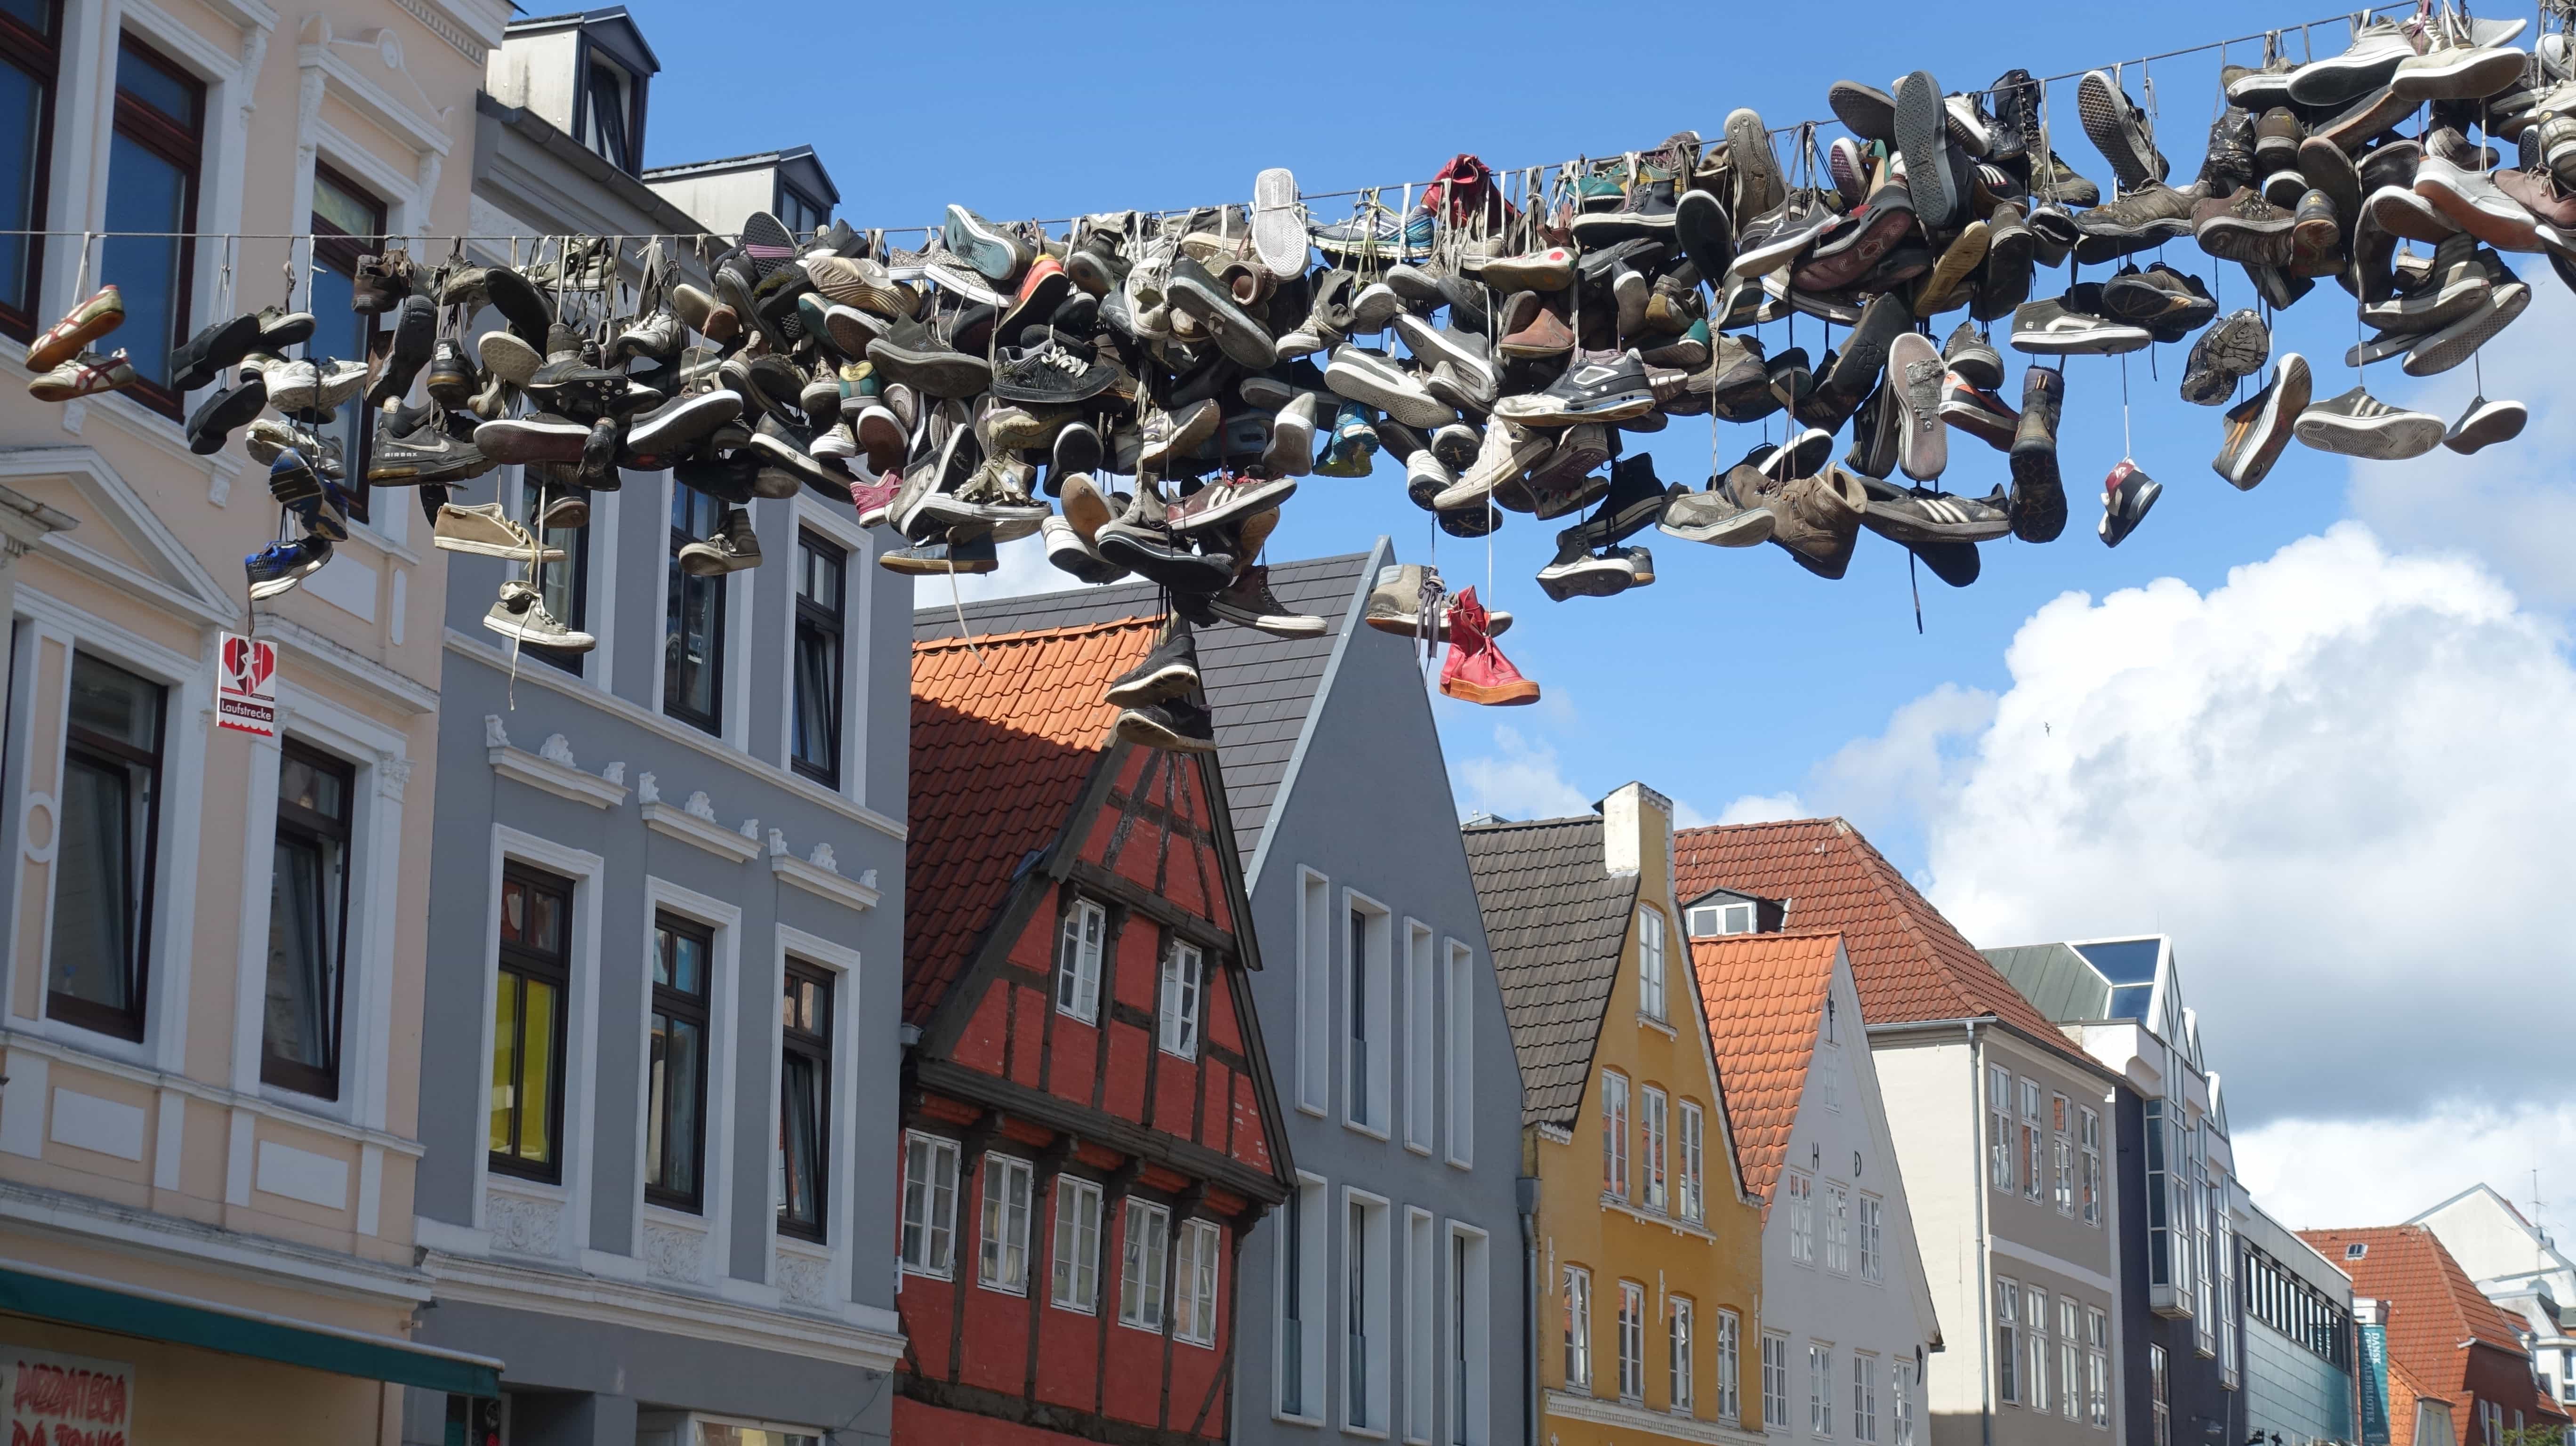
(666,931)
(1384,1300)
(2302,1380)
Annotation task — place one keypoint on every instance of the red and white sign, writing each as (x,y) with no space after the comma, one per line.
(51,1400)
(246,685)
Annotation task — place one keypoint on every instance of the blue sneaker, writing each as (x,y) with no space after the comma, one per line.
(292,479)
(279,566)
(1376,231)
(327,515)
(1353,450)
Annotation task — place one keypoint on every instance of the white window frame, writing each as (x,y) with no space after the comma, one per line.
(2000,1145)
(2034,1162)
(1314,993)
(1367,1109)
(1692,1196)
(1421,1323)
(1652,970)
(1838,1228)
(1308,1290)
(1079,966)
(1577,1317)
(2061,1119)
(1631,1334)
(1073,1269)
(1197,1280)
(1370,1414)
(713,1220)
(1775,1380)
(1681,1352)
(2097,1365)
(1002,1222)
(1864,1396)
(841,529)
(2035,1339)
(581,1032)
(1654,1134)
(1873,1238)
(1422,1067)
(1730,1385)
(1820,1389)
(1902,1404)
(2089,1139)
(1468,1330)
(840,1192)
(1460,1057)
(1614,1134)
(1182,1008)
(938,1217)
(2007,1344)
(1801,1191)
(1145,1263)
(2070,1357)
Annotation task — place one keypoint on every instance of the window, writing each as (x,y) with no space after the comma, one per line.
(1838,1229)
(347,223)
(1578,1328)
(2091,1186)
(1470,1338)
(2070,1354)
(1873,1253)
(1775,1380)
(1315,995)
(1421,1039)
(2169,1203)
(1077,1245)
(1820,1390)
(2008,1342)
(2159,1406)
(1366,1038)
(1864,1397)
(1730,1335)
(1140,1277)
(2035,1312)
(564,587)
(1002,1246)
(1077,959)
(1999,1136)
(1802,1219)
(1632,1341)
(822,592)
(1301,1284)
(676,1078)
(2062,1157)
(1829,1078)
(1650,964)
(1692,1206)
(929,1205)
(2356,1250)
(2225,1252)
(801,214)
(2097,1365)
(1679,1338)
(804,1098)
(1614,1134)
(2034,1170)
(30,57)
(1421,1314)
(1460,1057)
(693,632)
(528,1024)
(1368,1345)
(1711,920)
(1903,1410)
(1651,1133)
(1194,1309)
(152,187)
(1178,1027)
(104,872)
(308,931)
(612,111)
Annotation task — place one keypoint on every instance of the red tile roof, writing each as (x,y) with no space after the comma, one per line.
(1764,995)
(1005,730)
(2434,1309)
(1908,962)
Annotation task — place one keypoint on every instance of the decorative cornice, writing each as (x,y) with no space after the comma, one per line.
(694,823)
(551,768)
(821,874)
(446,30)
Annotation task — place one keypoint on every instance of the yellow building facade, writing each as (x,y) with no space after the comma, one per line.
(1648,1250)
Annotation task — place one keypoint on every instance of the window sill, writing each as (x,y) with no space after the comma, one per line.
(1373,1433)
(1419,1149)
(1674,1223)
(1283,1418)
(923,1273)
(1319,1112)
(1663,1027)
(1357,1128)
(1018,1292)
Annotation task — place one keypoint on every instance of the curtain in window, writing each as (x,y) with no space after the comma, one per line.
(670,1145)
(299,955)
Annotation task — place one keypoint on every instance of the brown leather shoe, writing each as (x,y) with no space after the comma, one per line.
(2542,197)
(1534,324)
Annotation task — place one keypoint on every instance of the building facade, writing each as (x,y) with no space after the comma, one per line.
(2003,1131)
(1382,1018)
(1647,1256)
(209,1129)
(1089,1127)
(662,1038)
(2521,1269)
(2457,1370)
(2302,1381)
(1847,1319)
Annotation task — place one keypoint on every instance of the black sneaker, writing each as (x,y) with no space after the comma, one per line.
(292,480)
(520,303)
(1635,499)
(211,352)
(2038,492)
(1595,387)
(1175,725)
(960,554)
(1923,140)
(909,353)
(1920,515)
(2127,494)
(1580,572)
(1051,376)
(1142,542)
(218,416)
(1169,671)
(415,329)
(453,377)
(421,452)
(2158,298)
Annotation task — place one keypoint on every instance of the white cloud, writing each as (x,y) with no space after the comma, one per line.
(1024,569)
(1764,808)
(2339,781)
(1520,779)
(2317,1174)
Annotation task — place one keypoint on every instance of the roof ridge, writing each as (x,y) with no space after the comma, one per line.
(1872,859)
(1500,824)
(1066,630)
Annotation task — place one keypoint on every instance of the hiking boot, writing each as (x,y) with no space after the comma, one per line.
(2357,424)
(1815,519)
(2234,348)
(1171,670)
(1535,324)
(1595,387)
(732,547)
(485,530)
(2244,227)
(2140,220)
(2038,498)
(1248,602)
(2259,427)
(520,612)
(1175,725)
(2127,494)
(2486,423)
(1714,517)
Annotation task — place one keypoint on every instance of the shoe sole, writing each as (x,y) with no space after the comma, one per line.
(1503,696)
(1146,733)
(1748,145)
(2038,495)
(927,567)
(978,245)
(2394,438)
(1513,274)
(2467,75)
(1166,682)
(2087,343)
(2147,495)
(2511,232)
(1748,528)
(1277,625)
(2105,113)
(2439,308)
(536,639)
(1278,232)
(2341,79)
(2234,349)
(1922,134)
(1923,445)
(2285,399)
(1987,427)
(2460,340)
(513,552)
(1619,407)
(2486,426)
(1360,383)
(1588,581)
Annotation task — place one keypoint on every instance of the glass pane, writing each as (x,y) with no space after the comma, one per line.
(342,332)
(505,1060)
(689,665)
(671,1131)
(302,891)
(309,786)
(145,193)
(354,214)
(94,888)
(36,15)
(557,584)
(679,961)
(111,702)
(22,117)
(157,88)
(800,1141)
(818,695)
(538,1072)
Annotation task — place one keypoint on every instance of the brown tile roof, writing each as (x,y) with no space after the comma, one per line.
(1908,962)
(2433,1309)
(1556,920)
(1764,995)
(1005,730)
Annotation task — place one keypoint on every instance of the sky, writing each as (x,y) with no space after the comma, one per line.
(2318,731)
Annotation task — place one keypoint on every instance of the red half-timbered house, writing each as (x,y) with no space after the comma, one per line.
(1089,1125)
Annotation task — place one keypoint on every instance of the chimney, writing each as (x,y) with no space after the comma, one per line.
(1636,829)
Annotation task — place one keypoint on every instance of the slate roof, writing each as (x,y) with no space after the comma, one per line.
(1004,734)
(2434,1310)
(1556,921)
(1765,997)
(1259,688)
(1909,963)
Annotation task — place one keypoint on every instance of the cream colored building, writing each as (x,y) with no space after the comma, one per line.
(215,941)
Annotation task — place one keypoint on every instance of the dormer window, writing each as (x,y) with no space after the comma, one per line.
(609,124)
(1710,921)
(2356,1250)
(802,214)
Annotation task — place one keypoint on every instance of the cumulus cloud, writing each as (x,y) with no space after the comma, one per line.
(2316,1174)
(2339,781)
(1024,569)
(1522,778)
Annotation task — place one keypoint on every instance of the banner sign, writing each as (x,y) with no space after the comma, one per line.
(52,1400)
(2374,1385)
(246,685)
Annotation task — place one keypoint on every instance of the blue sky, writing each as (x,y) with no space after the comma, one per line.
(1738,676)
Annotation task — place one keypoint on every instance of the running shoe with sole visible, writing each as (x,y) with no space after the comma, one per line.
(2127,496)
(2357,424)
(2259,427)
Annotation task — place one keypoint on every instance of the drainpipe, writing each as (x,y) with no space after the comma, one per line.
(1985,1246)
(1528,1198)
